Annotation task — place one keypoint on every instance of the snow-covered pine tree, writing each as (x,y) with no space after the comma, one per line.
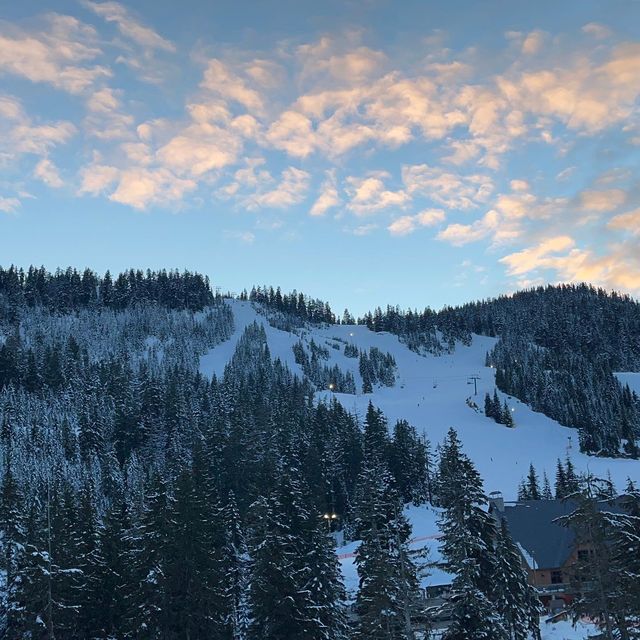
(473,616)
(506,416)
(625,555)
(236,561)
(149,601)
(408,463)
(511,593)
(288,598)
(468,531)
(12,553)
(488,406)
(561,481)
(595,575)
(90,562)
(533,485)
(387,575)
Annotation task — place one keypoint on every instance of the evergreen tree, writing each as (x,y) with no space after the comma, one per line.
(506,416)
(533,486)
(149,600)
(115,578)
(472,614)
(408,463)
(488,406)
(387,576)
(288,597)
(595,577)
(467,529)
(90,564)
(235,556)
(12,559)
(511,593)
(572,481)
(561,482)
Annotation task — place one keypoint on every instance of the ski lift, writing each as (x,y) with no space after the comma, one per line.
(435,383)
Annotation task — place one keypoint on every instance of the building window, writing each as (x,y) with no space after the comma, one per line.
(556,577)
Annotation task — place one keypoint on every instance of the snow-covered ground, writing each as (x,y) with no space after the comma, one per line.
(431,393)
(564,630)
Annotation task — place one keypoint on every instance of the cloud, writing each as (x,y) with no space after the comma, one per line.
(369,195)
(267,73)
(53,55)
(363,229)
(11,109)
(565,174)
(533,43)
(222,81)
(328,198)
(38,139)
(20,135)
(200,148)
(598,31)
(246,237)
(97,178)
(48,172)
(129,27)
(351,64)
(629,221)
(140,187)
(602,201)
(538,256)
(617,268)
(583,95)
(291,190)
(408,224)
(446,188)
(519,185)
(9,205)
(293,133)
(106,120)
(461,234)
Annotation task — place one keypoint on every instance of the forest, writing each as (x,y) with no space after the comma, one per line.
(140,499)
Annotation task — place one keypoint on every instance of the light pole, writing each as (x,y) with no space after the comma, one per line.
(329,518)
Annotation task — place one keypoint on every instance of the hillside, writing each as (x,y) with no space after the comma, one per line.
(173,460)
(431,392)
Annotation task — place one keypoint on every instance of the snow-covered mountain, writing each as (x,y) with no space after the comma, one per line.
(435,393)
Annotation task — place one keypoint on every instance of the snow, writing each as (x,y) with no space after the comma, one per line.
(529,559)
(431,393)
(425,536)
(280,342)
(630,378)
(564,630)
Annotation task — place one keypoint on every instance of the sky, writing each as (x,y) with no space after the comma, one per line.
(365,152)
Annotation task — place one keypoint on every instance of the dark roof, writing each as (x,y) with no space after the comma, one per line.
(531,525)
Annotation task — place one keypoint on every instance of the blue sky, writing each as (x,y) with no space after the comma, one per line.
(365,152)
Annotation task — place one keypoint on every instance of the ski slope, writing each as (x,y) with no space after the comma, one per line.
(431,392)
(425,536)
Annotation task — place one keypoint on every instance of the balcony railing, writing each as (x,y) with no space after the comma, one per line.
(561,587)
